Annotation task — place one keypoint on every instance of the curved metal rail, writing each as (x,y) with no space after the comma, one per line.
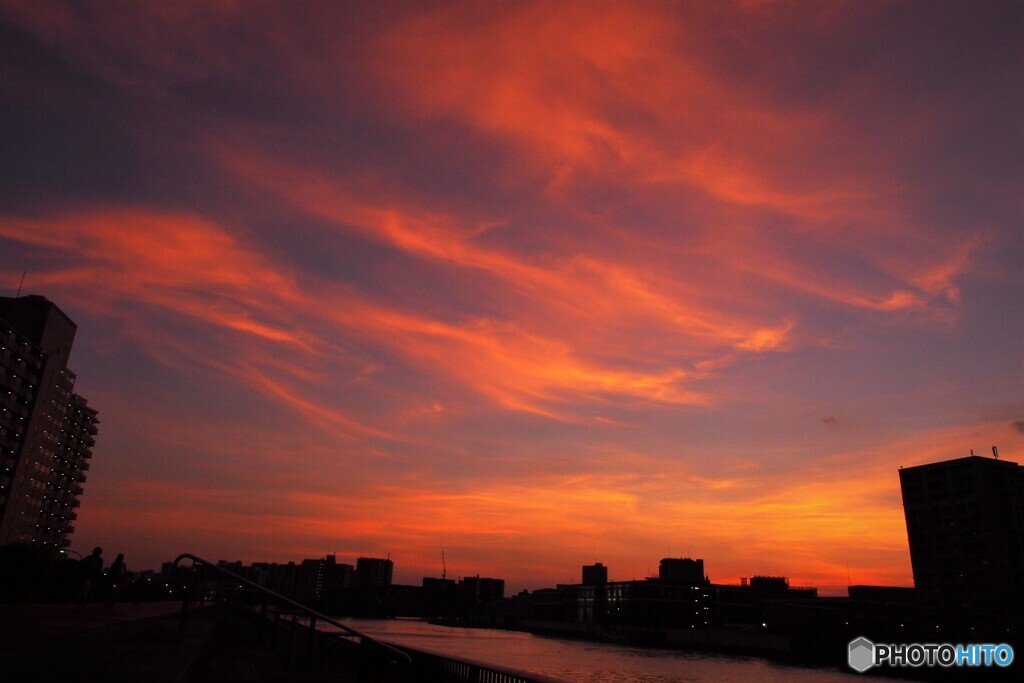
(418,665)
(298,606)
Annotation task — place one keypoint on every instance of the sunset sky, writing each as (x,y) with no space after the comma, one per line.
(535,284)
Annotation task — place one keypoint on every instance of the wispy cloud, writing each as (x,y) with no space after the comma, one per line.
(537,284)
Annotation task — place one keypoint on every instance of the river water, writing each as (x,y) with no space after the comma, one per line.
(584,661)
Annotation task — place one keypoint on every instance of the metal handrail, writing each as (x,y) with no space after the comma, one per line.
(297,605)
(472,670)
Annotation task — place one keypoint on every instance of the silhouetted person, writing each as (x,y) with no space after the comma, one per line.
(116,575)
(92,572)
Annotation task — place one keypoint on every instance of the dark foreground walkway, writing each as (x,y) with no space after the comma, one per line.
(144,643)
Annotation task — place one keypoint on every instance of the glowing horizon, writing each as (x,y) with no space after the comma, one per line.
(536,284)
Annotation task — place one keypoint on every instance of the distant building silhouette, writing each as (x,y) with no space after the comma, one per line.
(372,572)
(46,431)
(438,596)
(474,590)
(278,577)
(682,570)
(438,586)
(323,579)
(595,574)
(491,590)
(678,598)
(965,524)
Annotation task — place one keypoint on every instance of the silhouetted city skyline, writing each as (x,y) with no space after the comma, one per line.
(573,284)
(965,529)
(671,323)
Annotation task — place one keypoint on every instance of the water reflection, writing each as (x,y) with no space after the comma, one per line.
(587,662)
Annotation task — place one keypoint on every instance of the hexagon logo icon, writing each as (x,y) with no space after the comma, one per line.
(861,655)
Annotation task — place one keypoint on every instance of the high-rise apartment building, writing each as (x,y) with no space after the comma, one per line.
(965,524)
(46,430)
(595,574)
(682,570)
(373,572)
(474,590)
(322,579)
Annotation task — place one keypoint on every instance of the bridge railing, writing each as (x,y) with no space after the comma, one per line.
(432,666)
(376,660)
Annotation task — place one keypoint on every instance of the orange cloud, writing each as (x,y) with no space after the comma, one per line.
(626,97)
(193,268)
(634,230)
(579,285)
(841,516)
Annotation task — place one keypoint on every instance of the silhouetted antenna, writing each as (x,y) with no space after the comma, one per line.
(995,452)
(21,283)
(849,581)
(444,567)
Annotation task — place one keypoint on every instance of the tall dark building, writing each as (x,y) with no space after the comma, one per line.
(322,579)
(373,572)
(46,431)
(491,590)
(682,570)
(595,574)
(965,524)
